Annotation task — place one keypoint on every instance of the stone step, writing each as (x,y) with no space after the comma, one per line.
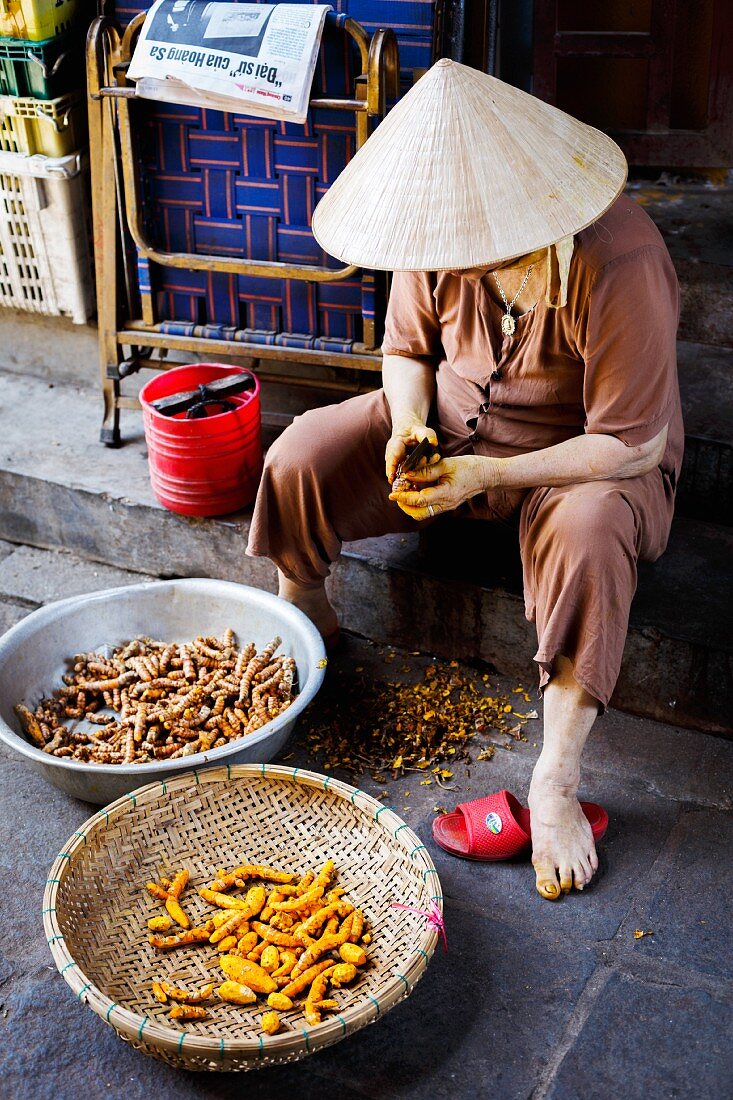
(706,385)
(696,222)
(60,490)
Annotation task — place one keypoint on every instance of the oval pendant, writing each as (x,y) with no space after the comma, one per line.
(508,324)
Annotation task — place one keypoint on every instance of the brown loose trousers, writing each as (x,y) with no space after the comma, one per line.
(605,363)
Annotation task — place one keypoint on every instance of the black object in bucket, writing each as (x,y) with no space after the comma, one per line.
(195,402)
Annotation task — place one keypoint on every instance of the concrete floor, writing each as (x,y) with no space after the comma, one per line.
(533,999)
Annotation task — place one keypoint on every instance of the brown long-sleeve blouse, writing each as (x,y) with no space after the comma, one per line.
(605,363)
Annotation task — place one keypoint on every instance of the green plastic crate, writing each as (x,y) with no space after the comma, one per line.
(44,70)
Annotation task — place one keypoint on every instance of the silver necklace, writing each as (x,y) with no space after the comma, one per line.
(508,323)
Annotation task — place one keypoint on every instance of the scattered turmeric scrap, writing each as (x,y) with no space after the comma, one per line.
(639,933)
(391,727)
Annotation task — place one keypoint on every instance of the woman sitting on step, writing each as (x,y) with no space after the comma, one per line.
(530,336)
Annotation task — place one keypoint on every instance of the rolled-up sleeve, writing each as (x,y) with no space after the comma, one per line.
(411,325)
(630,381)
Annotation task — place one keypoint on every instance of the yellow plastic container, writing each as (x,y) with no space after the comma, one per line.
(35,20)
(54,127)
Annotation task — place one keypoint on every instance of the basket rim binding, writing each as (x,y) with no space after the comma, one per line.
(175,1041)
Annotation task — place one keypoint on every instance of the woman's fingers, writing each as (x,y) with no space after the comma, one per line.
(395,452)
(430,472)
(422,431)
(417,500)
(403,441)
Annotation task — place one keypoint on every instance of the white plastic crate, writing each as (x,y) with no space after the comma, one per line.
(45,257)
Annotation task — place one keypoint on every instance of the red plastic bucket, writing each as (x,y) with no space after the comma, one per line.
(208,466)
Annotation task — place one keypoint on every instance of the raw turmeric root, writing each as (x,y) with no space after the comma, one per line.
(270,959)
(174,909)
(193,935)
(271,935)
(270,1023)
(343,974)
(236,993)
(313,1002)
(327,942)
(267,944)
(352,953)
(214,897)
(250,870)
(160,924)
(31,725)
(188,1012)
(302,981)
(229,926)
(249,973)
(187,996)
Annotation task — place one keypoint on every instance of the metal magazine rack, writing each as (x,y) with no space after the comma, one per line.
(138,324)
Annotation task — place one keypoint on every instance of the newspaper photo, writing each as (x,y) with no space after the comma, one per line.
(257,59)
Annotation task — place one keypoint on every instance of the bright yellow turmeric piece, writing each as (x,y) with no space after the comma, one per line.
(352,953)
(222,900)
(279,1002)
(302,981)
(159,993)
(316,992)
(193,935)
(343,973)
(357,926)
(249,973)
(250,870)
(271,935)
(246,943)
(187,996)
(160,924)
(270,959)
(293,905)
(226,944)
(236,993)
(178,883)
(327,942)
(188,1012)
(157,891)
(173,907)
(270,1023)
(228,926)
(288,960)
(254,901)
(313,923)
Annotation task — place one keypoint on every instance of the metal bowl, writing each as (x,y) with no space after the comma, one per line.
(35,654)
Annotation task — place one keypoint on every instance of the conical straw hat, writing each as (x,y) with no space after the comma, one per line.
(467,171)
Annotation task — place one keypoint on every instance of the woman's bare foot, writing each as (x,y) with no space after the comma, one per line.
(313,602)
(563,849)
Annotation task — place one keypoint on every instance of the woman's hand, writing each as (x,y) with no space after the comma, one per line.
(445,485)
(404,437)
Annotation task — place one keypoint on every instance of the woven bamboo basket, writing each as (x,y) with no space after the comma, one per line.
(95,905)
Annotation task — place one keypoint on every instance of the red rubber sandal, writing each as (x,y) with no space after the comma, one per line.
(498,827)
(484,829)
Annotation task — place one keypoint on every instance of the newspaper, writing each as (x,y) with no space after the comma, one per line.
(257,59)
